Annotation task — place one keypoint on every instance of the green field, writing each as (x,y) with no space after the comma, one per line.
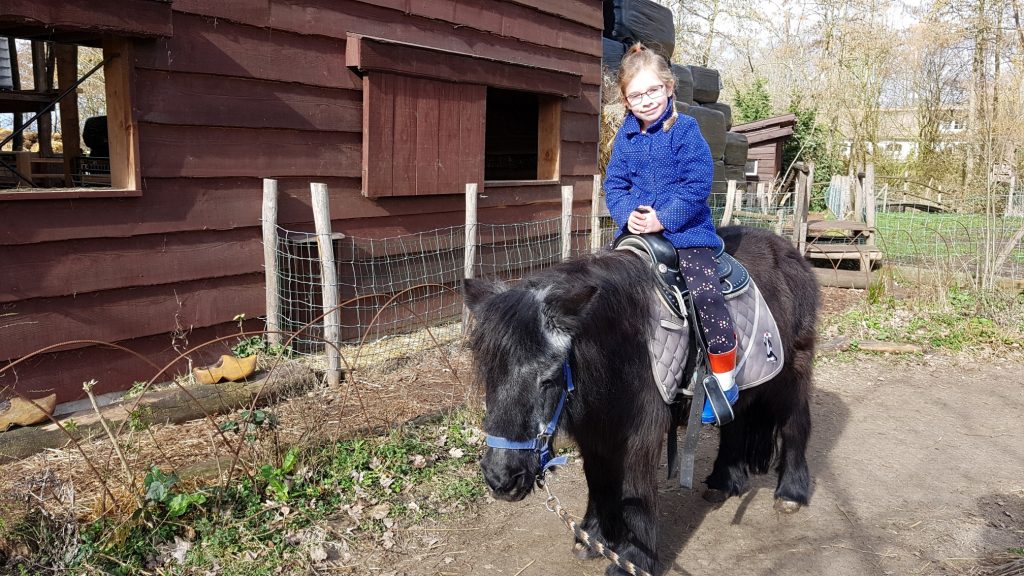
(948,239)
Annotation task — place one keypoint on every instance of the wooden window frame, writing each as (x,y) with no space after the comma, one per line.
(548,146)
(122,133)
(753,170)
(368,55)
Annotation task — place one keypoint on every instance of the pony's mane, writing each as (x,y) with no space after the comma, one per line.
(623,284)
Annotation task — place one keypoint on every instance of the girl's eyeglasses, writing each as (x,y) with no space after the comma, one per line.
(653,93)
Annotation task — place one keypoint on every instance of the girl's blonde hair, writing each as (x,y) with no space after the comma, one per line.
(640,57)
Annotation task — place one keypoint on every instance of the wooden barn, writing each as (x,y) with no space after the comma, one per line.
(765,140)
(394,104)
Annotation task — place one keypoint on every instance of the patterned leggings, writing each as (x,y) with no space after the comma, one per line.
(701,274)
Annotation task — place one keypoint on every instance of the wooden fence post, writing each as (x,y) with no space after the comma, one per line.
(810,189)
(328,281)
(869,200)
(1010,211)
(858,197)
(799,211)
(566,221)
(730,196)
(595,215)
(469,249)
(270,270)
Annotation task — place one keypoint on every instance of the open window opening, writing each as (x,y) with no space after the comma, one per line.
(65,116)
(750,169)
(522,139)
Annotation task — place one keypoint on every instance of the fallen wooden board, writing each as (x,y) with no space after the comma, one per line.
(844,343)
(170,405)
(833,278)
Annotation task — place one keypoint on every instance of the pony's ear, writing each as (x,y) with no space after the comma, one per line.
(565,307)
(477,291)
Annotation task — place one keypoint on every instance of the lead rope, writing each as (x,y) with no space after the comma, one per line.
(592,543)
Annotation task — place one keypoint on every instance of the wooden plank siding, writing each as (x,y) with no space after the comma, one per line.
(123,314)
(74,267)
(443,121)
(180,205)
(164,97)
(769,159)
(133,18)
(227,93)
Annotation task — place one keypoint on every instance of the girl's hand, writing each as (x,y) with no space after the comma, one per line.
(644,220)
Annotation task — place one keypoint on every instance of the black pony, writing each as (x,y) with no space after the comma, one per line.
(589,316)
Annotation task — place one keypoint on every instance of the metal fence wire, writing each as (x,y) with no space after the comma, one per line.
(400,295)
(949,239)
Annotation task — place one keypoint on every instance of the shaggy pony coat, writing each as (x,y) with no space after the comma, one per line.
(594,311)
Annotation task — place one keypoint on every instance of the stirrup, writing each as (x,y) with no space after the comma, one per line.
(715,397)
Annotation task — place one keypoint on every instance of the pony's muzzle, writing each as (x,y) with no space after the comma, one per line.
(510,474)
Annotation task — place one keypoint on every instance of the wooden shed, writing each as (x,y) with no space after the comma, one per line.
(394,104)
(766,139)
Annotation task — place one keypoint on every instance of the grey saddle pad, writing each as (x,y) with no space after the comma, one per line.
(759,356)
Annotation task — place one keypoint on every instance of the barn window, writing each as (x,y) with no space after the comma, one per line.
(83,144)
(435,120)
(751,168)
(522,136)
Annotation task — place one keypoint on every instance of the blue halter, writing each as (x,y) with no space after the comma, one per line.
(542,444)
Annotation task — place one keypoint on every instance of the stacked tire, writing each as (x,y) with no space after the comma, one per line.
(697,87)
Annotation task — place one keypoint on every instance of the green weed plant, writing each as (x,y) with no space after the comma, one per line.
(368,485)
(961,320)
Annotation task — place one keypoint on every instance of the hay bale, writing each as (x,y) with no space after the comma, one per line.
(707,84)
(725,109)
(719,187)
(613,111)
(712,127)
(611,54)
(684,84)
(645,21)
(737,173)
(736,149)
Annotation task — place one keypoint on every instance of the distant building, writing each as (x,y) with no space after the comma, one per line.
(766,139)
(899,131)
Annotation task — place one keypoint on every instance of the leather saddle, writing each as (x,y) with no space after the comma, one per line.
(664,260)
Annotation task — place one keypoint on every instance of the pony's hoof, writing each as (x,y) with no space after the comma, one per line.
(715,496)
(583,552)
(786,506)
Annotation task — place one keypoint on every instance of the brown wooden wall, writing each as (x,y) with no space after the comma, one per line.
(769,157)
(241,90)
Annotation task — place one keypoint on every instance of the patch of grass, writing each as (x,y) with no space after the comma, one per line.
(956,236)
(961,320)
(259,524)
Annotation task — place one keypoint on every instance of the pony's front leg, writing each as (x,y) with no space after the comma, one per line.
(604,489)
(631,520)
(730,474)
(621,513)
(639,540)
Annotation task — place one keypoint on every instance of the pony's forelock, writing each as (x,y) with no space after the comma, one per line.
(556,335)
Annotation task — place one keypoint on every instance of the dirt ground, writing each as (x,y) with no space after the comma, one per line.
(918,468)
(917,465)
(917,462)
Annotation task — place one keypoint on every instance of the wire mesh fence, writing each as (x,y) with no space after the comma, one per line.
(949,240)
(400,295)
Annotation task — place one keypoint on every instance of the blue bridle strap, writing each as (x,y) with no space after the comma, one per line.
(542,444)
